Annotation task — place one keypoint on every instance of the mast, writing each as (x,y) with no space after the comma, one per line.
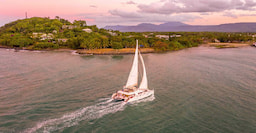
(144,81)
(133,76)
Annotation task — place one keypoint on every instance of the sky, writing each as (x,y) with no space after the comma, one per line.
(132,12)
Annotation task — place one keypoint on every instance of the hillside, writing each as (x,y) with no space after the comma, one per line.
(45,33)
(181,27)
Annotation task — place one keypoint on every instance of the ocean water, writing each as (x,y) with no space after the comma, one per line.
(196,90)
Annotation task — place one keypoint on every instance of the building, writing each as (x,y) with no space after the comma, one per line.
(146,36)
(87,30)
(163,36)
(216,41)
(68,26)
(36,35)
(42,36)
(45,36)
(112,33)
(54,31)
(175,35)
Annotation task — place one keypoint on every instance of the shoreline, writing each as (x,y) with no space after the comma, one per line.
(107,51)
(125,51)
(110,51)
(226,45)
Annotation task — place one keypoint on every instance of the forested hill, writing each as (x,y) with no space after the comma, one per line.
(178,27)
(45,33)
(40,33)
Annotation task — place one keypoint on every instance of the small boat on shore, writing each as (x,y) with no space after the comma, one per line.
(131,91)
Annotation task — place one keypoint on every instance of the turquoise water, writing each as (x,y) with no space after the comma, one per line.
(196,90)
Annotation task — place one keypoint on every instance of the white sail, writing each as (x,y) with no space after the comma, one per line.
(144,81)
(130,95)
(133,76)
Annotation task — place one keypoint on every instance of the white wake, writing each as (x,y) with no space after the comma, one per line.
(106,106)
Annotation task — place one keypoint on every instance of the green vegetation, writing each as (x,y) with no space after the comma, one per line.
(45,33)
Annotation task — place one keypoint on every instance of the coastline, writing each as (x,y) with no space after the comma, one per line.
(110,51)
(106,51)
(227,45)
(124,51)
(28,49)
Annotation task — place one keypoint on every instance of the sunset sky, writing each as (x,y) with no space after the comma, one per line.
(131,12)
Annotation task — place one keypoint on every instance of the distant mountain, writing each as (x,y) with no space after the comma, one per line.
(178,26)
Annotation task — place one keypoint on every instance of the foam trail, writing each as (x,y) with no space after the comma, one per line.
(74,52)
(105,106)
(71,119)
(147,99)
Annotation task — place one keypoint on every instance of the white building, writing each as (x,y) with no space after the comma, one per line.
(87,30)
(163,36)
(112,33)
(69,26)
(42,36)
(175,35)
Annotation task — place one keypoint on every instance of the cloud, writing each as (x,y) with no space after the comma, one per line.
(188,6)
(4,19)
(247,14)
(205,13)
(130,3)
(124,14)
(230,14)
(248,5)
(240,13)
(93,6)
(119,17)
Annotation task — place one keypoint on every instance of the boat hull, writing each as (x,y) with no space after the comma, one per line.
(132,98)
(141,96)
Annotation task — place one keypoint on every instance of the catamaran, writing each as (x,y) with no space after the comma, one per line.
(131,91)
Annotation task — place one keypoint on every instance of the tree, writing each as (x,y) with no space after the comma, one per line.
(75,42)
(79,23)
(175,45)
(117,45)
(162,46)
(45,45)
(104,42)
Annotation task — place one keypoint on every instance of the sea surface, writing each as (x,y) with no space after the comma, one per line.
(200,90)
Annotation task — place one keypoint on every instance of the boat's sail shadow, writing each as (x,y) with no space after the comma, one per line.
(102,108)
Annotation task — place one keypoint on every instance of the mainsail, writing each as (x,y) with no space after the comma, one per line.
(133,76)
(144,81)
(132,91)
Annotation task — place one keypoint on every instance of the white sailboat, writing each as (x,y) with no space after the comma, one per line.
(131,91)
